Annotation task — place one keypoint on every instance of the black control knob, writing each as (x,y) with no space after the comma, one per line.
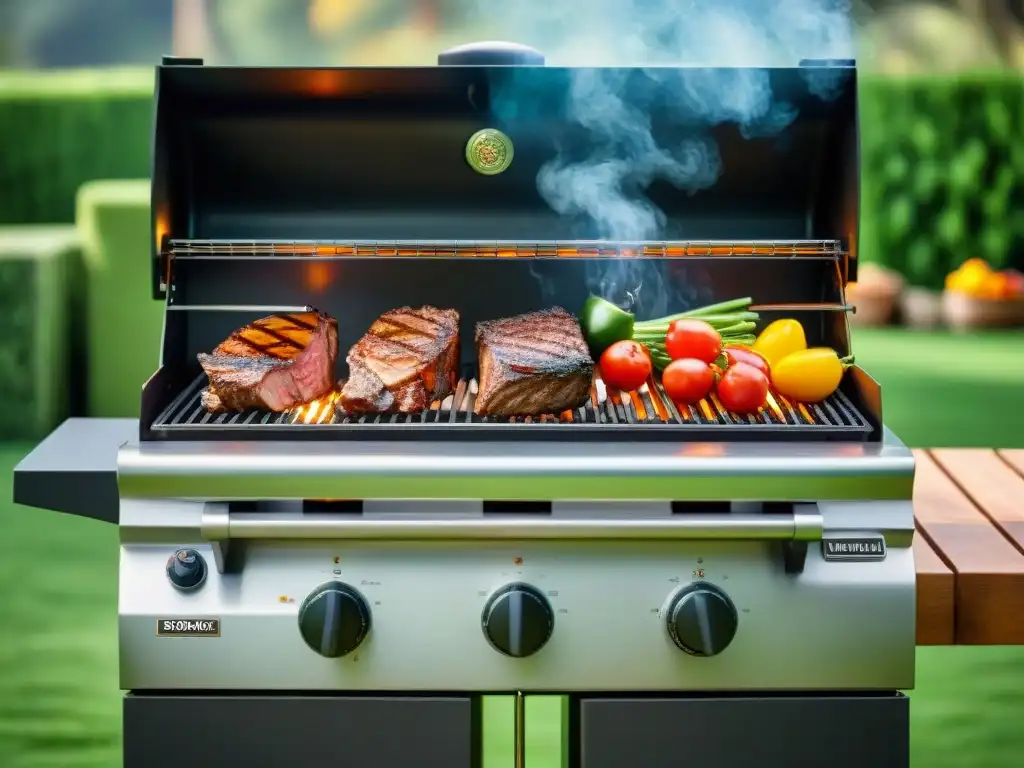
(702,620)
(186,569)
(518,620)
(334,619)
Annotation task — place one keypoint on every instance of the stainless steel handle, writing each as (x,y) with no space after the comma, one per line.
(219,525)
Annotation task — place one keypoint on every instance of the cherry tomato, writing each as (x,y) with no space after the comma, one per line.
(737,354)
(693,338)
(687,380)
(742,388)
(625,365)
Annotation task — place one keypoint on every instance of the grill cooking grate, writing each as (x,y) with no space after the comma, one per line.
(647,414)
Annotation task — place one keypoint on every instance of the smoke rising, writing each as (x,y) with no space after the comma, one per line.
(673,42)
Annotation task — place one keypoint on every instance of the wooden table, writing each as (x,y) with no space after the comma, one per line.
(969,547)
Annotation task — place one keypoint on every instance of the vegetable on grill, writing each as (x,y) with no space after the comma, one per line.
(688,380)
(735,353)
(742,388)
(780,338)
(689,338)
(809,375)
(625,365)
(604,324)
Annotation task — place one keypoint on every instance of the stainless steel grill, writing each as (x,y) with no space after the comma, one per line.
(610,413)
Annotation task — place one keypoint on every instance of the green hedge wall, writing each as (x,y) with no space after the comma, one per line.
(943,173)
(61,129)
(942,159)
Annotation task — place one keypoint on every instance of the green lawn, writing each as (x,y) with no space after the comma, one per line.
(59,706)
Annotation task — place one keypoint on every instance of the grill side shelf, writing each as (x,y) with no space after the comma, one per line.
(648,414)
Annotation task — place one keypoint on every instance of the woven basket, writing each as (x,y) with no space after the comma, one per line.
(873,307)
(962,312)
(921,308)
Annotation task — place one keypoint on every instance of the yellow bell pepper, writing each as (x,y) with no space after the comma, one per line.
(780,338)
(810,375)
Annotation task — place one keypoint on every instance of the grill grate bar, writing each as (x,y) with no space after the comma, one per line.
(650,408)
(257,249)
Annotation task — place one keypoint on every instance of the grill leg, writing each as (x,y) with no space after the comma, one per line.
(838,730)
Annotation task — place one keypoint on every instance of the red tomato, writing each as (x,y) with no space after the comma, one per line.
(693,338)
(688,380)
(742,388)
(737,354)
(625,365)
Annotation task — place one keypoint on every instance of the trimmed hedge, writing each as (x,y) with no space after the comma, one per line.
(59,130)
(943,173)
(124,322)
(36,265)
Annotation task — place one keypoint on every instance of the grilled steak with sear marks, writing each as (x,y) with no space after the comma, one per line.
(532,364)
(274,364)
(407,359)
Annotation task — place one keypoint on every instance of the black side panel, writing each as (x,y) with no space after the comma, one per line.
(274,731)
(745,732)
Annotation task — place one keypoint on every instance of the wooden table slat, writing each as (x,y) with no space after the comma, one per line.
(988,569)
(935,590)
(994,487)
(1014,457)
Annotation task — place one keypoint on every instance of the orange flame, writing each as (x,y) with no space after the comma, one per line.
(317,412)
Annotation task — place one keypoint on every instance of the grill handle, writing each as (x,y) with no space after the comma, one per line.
(220,525)
(489,54)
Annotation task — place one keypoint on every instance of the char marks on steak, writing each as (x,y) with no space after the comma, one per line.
(274,364)
(405,361)
(532,364)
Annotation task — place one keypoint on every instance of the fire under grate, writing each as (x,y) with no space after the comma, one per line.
(610,414)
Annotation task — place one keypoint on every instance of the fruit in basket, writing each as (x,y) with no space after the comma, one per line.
(693,339)
(810,375)
(780,338)
(742,388)
(688,380)
(977,280)
(625,365)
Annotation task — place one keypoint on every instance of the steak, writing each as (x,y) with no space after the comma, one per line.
(407,359)
(532,364)
(273,364)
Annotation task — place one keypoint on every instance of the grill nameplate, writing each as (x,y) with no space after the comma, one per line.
(648,414)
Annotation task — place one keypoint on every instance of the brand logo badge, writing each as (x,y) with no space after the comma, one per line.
(188,627)
(855,548)
(489,152)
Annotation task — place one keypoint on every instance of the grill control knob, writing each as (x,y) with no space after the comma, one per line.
(186,569)
(702,620)
(518,620)
(334,619)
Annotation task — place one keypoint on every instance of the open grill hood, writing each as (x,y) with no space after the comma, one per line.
(284,154)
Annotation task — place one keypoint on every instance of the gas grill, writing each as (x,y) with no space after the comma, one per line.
(315,587)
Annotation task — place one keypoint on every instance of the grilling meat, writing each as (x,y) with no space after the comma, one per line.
(274,364)
(407,359)
(532,364)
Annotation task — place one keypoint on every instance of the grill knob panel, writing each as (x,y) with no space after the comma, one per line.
(518,620)
(702,619)
(186,569)
(334,619)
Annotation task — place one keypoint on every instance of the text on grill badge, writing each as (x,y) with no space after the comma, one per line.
(188,627)
(860,548)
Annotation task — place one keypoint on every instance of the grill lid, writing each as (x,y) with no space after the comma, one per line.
(389,154)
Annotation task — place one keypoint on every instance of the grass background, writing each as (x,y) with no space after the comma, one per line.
(59,703)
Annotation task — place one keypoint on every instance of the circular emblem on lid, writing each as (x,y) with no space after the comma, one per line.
(489,151)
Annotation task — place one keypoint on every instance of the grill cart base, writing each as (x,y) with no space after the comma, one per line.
(774,731)
(271,730)
(298,730)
